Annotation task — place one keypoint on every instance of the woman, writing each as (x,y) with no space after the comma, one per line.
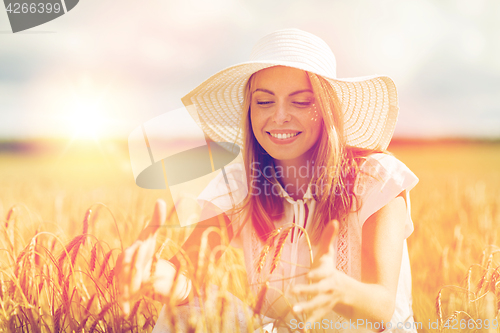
(313,149)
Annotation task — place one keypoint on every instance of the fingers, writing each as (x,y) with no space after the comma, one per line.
(159,216)
(133,266)
(316,315)
(325,270)
(317,307)
(166,283)
(122,271)
(323,275)
(140,264)
(316,302)
(305,289)
(126,275)
(131,272)
(123,268)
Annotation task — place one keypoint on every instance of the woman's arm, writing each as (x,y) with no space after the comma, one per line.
(372,299)
(134,265)
(191,246)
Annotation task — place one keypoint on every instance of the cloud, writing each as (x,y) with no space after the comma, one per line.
(443,56)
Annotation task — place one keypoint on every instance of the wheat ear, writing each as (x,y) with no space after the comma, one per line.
(266,249)
(279,248)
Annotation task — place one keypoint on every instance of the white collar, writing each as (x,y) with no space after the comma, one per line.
(298,208)
(307,196)
(284,194)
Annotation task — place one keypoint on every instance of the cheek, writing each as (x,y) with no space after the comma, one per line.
(314,115)
(256,123)
(314,118)
(315,122)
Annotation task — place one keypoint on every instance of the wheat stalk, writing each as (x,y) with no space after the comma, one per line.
(105,262)
(110,277)
(89,303)
(484,279)
(265,251)
(10,213)
(134,309)
(82,324)
(450,318)
(74,243)
(154,262)
(100,316)
(261,297)
(86,222)
(18,263)
(439,310)
(279,248)
(57,320)
(467,283)
(203,248)
(93,257)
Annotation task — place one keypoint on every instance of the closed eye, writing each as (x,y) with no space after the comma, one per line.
(302,104)
(264,102)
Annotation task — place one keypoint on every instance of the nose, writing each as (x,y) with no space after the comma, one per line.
(281,114)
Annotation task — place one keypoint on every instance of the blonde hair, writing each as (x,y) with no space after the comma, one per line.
(338,166)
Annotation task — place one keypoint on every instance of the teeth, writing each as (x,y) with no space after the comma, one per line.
(284,135)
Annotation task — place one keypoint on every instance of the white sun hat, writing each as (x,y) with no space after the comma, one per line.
(369,104)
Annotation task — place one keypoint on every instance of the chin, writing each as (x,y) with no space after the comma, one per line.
(281,156)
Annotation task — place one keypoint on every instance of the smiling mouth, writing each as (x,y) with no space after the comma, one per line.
(283,136)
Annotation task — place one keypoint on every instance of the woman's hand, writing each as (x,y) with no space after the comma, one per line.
(323,292)
(133,266)
(373,298)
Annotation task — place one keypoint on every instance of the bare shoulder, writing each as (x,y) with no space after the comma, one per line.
(382,244)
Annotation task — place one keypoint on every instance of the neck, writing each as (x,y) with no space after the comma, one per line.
(294,175)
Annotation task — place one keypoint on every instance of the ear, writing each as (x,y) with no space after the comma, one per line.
(327,241)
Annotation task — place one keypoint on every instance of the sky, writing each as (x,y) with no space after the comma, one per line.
(107,66)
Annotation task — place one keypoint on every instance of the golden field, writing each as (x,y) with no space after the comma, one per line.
(56,266)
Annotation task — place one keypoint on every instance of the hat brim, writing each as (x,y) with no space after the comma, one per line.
(369,104)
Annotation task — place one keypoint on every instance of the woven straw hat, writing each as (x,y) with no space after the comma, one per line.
(369,104)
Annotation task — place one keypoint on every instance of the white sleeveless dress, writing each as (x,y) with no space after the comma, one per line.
(382,178)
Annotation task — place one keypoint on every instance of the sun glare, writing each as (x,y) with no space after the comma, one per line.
(87,120)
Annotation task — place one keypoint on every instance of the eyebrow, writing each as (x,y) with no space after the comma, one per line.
(294,93)
(300,91)
(264,90)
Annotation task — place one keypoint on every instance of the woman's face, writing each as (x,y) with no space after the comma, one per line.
(284,117)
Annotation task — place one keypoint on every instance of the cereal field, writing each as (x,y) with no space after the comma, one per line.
(66,214)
